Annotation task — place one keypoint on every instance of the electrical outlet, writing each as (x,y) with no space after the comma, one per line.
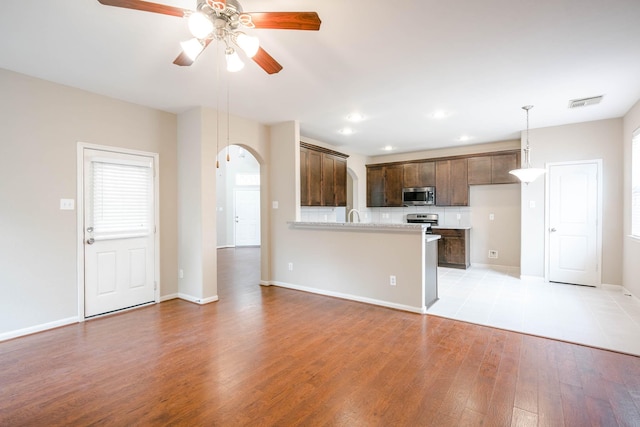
(392,280)
(181,274)
(493,253)
(458,216)
(290,266)
(491,217)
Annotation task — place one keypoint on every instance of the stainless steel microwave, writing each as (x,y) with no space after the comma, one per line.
(418,196)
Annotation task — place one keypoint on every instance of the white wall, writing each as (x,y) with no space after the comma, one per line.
(41,124)
(583,141)
(631,259)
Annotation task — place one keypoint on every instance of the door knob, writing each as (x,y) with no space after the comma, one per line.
(90,241)
(552,229)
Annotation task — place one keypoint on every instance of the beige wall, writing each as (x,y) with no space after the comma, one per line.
(503,232)
(583,141)
(197,151)
(631,259)
(41,124)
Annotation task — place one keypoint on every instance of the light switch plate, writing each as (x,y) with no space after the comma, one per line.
(67,204)
(274,205)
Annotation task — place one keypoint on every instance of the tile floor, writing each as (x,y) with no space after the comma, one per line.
(598,317)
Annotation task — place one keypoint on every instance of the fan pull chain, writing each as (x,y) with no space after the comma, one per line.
(217,104)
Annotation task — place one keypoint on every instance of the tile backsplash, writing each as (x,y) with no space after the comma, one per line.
(447,216)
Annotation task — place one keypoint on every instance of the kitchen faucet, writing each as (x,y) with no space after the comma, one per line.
(350,217)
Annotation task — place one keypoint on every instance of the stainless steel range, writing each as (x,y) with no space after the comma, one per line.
(429,219)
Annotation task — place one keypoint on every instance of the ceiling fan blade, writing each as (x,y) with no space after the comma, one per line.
(286,20)
(147,7)
(266,62)
(184,61)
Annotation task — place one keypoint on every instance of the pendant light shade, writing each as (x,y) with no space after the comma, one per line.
(527,174)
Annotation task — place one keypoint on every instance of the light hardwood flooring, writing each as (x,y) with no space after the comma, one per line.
(272,356)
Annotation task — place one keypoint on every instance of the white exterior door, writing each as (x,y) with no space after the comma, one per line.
(574,243)
(119,231)
(247,217)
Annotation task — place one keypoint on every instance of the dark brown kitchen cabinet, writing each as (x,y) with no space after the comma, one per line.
(323,177)
(452,188)
(453,247)
(384,185)
(479,170)
(501,164)
(419,174)
(492,169)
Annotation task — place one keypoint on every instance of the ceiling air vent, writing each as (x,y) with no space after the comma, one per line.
(575,103)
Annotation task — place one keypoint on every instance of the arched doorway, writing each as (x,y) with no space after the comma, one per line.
(238,198)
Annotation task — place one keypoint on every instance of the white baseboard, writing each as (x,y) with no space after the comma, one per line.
(168,297)
(38,328)
(225,246)
(197,300)
(265,283)
(350,297)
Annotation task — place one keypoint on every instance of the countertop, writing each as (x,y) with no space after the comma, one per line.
(435,227)
(366,226)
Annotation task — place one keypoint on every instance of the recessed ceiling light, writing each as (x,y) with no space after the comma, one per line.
(346,131)
(439,114)
(464,138)
(355,117)
(388,148)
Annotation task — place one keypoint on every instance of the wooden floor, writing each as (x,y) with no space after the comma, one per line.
(273,356)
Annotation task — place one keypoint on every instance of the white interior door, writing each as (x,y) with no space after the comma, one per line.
(119,231)
(574,254)
(247,217)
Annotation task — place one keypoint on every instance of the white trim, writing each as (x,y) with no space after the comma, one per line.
(420,310)
(197,300)
(38,328)
(169,297)
(225,246)
(599,178)
(265,283)
(80,215)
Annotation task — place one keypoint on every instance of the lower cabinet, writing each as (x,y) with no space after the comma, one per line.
(453,247)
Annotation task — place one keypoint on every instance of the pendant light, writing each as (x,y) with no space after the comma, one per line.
(527,174)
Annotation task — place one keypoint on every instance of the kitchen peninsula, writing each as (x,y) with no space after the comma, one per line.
(392,265)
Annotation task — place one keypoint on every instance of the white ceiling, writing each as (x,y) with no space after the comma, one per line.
(394,62)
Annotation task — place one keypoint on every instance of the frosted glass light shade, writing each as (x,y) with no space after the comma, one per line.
(528,175)
(234,63)
(248,44)
(200,25)
(192,48)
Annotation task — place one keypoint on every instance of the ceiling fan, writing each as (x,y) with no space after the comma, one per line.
(221,20)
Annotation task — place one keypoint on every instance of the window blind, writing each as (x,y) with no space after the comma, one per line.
(121,200)
(635,184)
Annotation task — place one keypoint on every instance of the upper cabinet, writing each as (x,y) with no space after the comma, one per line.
(384,185)
(419,174)
(452,188)
(493,169)
(451,176)
(323,176)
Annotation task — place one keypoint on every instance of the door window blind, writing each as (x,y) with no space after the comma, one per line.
(121,200)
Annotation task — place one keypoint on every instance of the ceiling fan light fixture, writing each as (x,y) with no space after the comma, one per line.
(234,63)
(200,25)
(192,48)
(249,44)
